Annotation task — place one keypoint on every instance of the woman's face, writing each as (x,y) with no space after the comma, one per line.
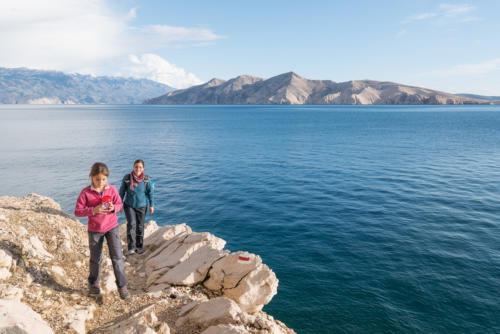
(138,169)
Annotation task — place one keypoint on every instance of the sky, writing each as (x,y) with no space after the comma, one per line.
(453,46)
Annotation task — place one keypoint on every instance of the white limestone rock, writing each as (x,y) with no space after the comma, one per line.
(141,322)
(251,284)
(11,292)
(5,259)
(59,274)
(21,231)
(163,329)
(177,250)
(194,269)
(270,325)
(225,329)
(212,312)
(34,248)
(40,201)
(16,317)
(6,263)
(165,233)
(4,274)
(65,244)
(255,289)
(150,227)
(76,319)
(227,272)
(159,287)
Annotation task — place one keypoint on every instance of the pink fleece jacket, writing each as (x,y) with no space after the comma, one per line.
(90,198)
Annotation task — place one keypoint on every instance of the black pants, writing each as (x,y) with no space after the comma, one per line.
(96,241)
(135,226)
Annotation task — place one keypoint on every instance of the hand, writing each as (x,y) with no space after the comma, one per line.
(111,207)
(100,209)
(151,210)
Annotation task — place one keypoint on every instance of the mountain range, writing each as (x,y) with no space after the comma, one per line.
(290,88)
(27,86)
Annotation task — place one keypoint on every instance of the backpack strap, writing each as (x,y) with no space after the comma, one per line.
(146,179)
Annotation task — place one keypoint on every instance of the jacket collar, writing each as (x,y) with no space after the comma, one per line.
(92,187)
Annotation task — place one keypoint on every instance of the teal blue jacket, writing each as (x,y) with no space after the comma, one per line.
(141,196)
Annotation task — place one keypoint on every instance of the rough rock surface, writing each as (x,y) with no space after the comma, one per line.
(5,264)
(251,284)
(225,329)
(290,88)
(46,253)
(177,260)
(215,311)
(15,317)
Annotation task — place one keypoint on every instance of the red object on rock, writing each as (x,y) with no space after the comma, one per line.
(244,257)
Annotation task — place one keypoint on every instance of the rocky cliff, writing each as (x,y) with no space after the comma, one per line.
(185,282)
(290,88)
(26,86)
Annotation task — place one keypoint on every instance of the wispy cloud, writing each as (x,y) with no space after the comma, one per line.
(86,37)
(169,33)
(401,33)
(485,67)
(455,10)
(449,12)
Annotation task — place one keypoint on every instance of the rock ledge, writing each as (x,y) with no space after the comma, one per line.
(185,282)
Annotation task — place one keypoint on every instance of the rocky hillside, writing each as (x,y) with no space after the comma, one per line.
(492,99)
(25,86)
(184,283)
(290,88)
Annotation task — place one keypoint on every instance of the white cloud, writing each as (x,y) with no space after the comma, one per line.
(485,67)
(84,36)
(156,68)
(169,33)
(449,12)
(132,14)
(422,16)
(401,33)
(455,10)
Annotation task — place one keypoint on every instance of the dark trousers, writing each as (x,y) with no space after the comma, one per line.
(96,241)
(135,226)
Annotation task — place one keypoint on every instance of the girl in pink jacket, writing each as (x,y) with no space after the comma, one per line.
(99,202)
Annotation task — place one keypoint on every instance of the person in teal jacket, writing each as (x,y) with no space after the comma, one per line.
(136,192)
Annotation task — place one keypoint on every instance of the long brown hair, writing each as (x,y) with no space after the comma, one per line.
(99,168)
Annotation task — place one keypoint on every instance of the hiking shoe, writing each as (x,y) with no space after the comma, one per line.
(94,289)
(124,294)
(131,251)
(140,250)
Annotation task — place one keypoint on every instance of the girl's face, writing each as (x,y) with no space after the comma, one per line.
(99,181)
(138,169)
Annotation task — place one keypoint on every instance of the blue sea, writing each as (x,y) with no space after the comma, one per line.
(375,219)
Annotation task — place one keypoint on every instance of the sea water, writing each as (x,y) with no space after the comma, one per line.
(375,219)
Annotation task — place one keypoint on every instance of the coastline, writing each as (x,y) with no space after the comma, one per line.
(179,285)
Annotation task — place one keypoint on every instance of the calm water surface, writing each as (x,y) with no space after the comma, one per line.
(376,219)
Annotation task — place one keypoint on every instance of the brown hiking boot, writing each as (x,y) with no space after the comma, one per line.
(124,294)
(94,289)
